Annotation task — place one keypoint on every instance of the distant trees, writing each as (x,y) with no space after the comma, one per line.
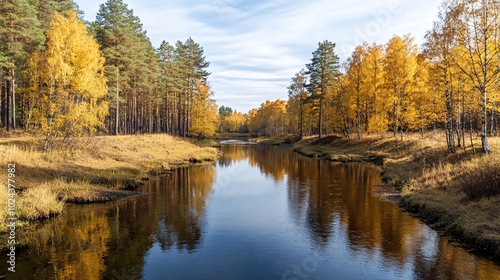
(150,90)
(225,111)
(269,119)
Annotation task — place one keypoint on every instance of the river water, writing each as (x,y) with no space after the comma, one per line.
(259,212)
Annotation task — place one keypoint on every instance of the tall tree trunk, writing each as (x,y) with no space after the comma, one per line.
(484,139)
(117,120)
(320,118)
(395,120)
(13,88)
(492,120)
(367,112)
(3,96)
(8,101)
(301,119)
(459,122)
(450,139)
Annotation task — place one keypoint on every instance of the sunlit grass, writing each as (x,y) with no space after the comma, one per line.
(93,169)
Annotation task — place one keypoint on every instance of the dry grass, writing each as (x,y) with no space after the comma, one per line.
(94,169)
(453,192)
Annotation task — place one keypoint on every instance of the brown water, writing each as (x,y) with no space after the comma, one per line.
(258,213)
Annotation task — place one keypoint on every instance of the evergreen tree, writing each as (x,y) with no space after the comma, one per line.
(324,74)
(20,33)
(117,31)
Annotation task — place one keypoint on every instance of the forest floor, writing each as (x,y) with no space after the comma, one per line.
(91,170)
(458,194)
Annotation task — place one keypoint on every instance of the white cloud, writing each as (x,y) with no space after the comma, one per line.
(255,47)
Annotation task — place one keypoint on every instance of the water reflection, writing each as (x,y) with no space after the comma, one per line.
(320,193)
(110,241)
(278,210)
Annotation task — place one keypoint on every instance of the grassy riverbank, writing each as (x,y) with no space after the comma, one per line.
(458,194)
(96,169)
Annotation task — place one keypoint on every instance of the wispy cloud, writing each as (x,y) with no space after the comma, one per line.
(255,47)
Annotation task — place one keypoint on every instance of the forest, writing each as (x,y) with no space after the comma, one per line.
(451,82)
(63,77)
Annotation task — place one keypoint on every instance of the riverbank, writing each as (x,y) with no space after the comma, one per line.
(94,169)
(457,194)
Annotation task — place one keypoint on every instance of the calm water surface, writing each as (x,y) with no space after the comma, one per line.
(257,213)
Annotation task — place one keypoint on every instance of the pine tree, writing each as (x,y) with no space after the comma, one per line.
(117,30)
(20,34)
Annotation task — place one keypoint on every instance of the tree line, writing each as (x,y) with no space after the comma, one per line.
(65,77)
(451,82)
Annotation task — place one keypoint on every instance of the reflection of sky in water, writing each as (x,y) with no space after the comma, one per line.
(259,226)
(259,213)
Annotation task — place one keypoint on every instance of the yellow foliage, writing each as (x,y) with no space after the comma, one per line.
(269,119)
(234,122)
(203,112)
(68,100)
(400,63)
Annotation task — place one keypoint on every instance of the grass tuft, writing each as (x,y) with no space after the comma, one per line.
(40,202)
(482,181)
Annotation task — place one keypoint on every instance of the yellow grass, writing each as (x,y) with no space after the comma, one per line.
(94,169)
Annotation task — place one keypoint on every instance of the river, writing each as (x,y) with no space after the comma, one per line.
(259,212)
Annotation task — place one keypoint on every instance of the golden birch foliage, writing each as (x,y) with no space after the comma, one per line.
(203,112)
(356,87)
(253,123)
(478,59)
(70,81)
(399,69)
(269,119)
(234,122)
(377,120)
(425,101)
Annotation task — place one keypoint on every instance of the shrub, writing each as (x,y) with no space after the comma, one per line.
(482,181)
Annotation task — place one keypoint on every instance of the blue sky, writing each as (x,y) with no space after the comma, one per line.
(255,47)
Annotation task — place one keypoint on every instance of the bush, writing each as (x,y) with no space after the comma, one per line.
(482,181)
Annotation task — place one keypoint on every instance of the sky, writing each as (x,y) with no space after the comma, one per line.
(255,47)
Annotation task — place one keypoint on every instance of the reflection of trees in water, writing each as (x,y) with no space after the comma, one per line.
(271,161)
(110,240)
(232,153)
(103,241)
(181,222)
(322,193)
(70,246)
